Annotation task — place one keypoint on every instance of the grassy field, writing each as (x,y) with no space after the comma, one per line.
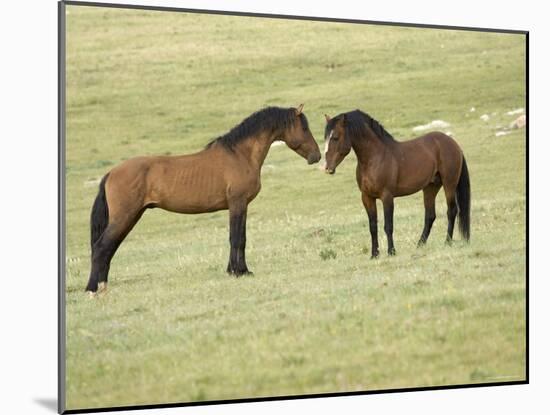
(318,315)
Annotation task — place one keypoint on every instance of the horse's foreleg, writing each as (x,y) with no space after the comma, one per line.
(387,201)
(370,206)
(237,240)
(430,192)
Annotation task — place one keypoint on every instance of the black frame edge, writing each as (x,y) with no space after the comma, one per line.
(61,85)
(288,17)
(527,206)
(292,397)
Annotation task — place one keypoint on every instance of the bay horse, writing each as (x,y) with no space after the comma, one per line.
(224,175)
(387,169)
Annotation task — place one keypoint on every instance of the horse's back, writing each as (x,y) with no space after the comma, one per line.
(438,144)
(443,141)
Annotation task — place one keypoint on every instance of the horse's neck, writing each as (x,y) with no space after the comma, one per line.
(369,148)
(255,149)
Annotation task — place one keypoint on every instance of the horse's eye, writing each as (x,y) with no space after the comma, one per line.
(335,137)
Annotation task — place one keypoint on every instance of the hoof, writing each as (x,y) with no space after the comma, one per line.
(391,253)
(102,287)
(374,256)
(92,294)
(238,272)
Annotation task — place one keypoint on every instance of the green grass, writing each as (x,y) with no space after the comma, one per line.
(318,315)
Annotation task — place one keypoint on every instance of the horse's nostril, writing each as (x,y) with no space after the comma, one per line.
(314,158)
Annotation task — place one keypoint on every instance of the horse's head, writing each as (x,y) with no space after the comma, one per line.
(337,143)
(299,138)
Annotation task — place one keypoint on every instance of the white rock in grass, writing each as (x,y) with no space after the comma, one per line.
(473,109)
(515,112)
(501,133)
(432,125)
(519,122)
(484,117)
(92,182)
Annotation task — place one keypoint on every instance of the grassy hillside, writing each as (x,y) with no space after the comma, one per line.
(318,315)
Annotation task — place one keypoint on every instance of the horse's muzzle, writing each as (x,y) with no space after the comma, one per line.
(329,171)
(314,158)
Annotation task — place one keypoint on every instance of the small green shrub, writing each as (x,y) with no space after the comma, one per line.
(327,254)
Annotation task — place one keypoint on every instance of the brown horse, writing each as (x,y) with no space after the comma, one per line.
(387,169)
(224,175)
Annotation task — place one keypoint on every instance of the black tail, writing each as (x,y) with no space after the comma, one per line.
(463,198)
(100,213)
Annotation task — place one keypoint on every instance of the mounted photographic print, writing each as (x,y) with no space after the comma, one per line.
(257,207)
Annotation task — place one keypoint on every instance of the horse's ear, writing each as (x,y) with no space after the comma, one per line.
(327,117)
(299,109)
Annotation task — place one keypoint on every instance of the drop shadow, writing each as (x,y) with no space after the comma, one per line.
(48,403)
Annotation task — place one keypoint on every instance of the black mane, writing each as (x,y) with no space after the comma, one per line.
(271,119)
(355,126)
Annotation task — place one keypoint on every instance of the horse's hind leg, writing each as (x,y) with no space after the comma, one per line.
(449,169)
(370,206)
(452,210)
(387,202)
(430,193)
(102,253)
(106,246)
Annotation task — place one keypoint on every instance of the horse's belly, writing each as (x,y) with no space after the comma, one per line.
(191,191)
(406,189)
(415,178)
(407,192)
(194,202)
